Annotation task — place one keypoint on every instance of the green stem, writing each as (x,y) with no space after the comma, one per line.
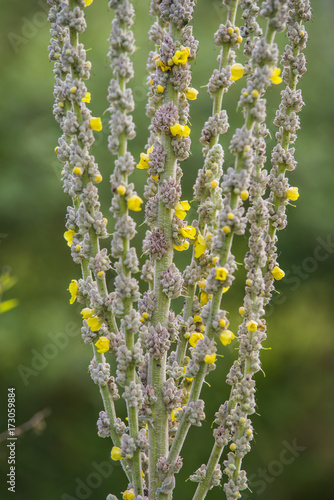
(158,432)
(204,486)
(216,108)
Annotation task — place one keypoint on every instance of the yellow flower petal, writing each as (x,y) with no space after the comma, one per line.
(200,246)
(176,129)
(181,208)
(182,247)
(116,453)
(226,337)
(7,305)
(210,358)
(73,289)
(68,235)
(251,326)
(181,56)
(292,193)
(102,344)
(88,2)
(94,323)
(160,89)
(277,273)
(143,163)
(87,97)
(128,495)
(191,94)
(174,414)
(162,65)
(96,124)
(188,232)
(134,203)
(275,78)
(221,273)
(87,313)
(194,338)
(237,71)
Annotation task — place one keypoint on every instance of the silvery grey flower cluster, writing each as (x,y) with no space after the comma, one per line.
(147,353)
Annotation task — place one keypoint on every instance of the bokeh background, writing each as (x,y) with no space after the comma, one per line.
(42,355)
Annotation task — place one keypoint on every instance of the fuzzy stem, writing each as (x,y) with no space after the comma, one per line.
(158,434)
(216,108)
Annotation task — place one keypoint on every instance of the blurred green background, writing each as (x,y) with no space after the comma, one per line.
(295,397)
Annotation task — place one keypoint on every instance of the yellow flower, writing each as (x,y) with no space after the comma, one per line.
(214,184)
(134,203)
(73,289)
(94,323)
(181,209)
(292,193)
(197,319)
(121,190)
(87,97)
(204,298)
(242,310)
(221,273)
(255,94)
(191,94)
(195,337)
(233,446)
(244,195)
(237,71)
(226,289)
(210,358)
(78,171)
(68,235)
(222,322)
(144,159)
(96,124)
(174,414)
(102,344)
(188,232)
(182,247)
(252,326)
(277,273)
(143,162)
(87,313)
(226,229)
(180,130)
(181,56)
(163,66)
(98,178)
(128,495)
(226,337)
(202,283)
(274,77)
(116,453)
(88,2)
(199,246)
(7,305)
(160,89)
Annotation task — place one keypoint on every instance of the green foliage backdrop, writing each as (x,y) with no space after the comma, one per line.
(295,397)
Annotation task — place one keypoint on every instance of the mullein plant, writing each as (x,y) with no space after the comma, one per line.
(163,358)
